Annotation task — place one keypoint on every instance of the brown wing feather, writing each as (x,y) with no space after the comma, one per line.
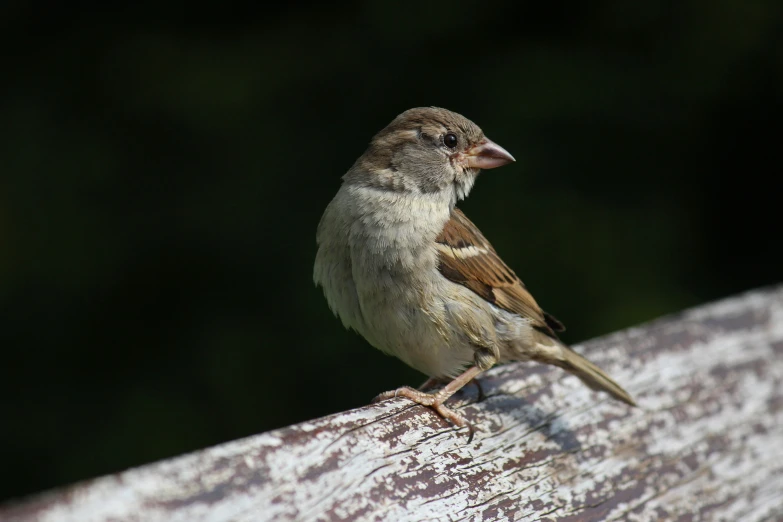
(467,258)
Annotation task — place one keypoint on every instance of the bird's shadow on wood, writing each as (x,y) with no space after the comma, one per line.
(523,411)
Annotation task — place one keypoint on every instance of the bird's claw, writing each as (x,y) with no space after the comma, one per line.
(432,400)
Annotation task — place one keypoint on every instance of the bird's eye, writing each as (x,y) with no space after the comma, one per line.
(450,140)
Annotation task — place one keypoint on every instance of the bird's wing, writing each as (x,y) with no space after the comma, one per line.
(467,258)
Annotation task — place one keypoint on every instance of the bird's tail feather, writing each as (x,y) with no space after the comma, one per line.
(590,374)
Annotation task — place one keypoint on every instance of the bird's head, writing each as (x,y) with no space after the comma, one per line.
(428,150)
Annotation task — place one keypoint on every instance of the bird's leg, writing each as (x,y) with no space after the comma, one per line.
(436,400)
(433,382)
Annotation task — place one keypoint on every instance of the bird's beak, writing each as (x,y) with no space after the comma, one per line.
(487,154)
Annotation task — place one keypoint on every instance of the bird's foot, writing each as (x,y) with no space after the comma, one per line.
(433,400)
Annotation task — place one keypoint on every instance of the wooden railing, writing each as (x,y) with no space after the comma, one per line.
(706,443)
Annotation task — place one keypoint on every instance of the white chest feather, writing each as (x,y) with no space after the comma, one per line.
(377,263)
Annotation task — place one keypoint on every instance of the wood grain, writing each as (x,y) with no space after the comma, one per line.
(706,443)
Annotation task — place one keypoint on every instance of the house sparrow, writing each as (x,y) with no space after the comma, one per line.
(401,265)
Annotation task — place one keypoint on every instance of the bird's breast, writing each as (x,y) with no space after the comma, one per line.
(395,271)
(393,295)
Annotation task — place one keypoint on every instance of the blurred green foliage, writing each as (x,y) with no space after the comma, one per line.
(164,170)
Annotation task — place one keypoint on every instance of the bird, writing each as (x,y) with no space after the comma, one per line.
(400,264)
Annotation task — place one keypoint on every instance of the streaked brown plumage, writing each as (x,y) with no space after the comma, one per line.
(466,257)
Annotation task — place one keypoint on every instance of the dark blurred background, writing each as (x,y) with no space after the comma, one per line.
(164,169)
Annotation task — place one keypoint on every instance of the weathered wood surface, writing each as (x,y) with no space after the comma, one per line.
(705,444)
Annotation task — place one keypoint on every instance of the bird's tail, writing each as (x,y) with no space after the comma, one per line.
(589,373)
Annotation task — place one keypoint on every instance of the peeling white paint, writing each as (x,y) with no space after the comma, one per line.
(706,442)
